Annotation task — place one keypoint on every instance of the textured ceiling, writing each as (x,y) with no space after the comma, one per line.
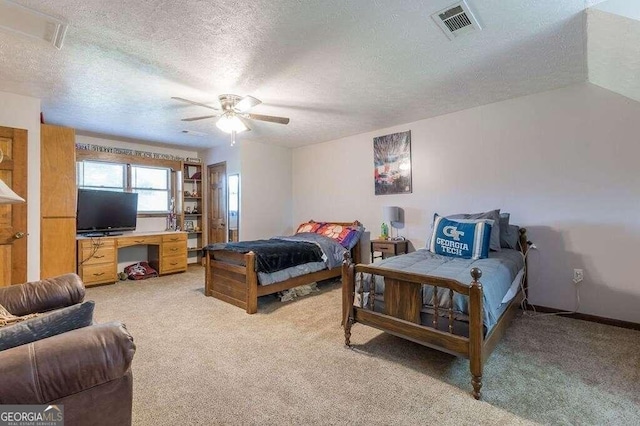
(335,67)
(614,51)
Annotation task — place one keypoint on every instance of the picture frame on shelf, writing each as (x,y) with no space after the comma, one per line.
(188,225)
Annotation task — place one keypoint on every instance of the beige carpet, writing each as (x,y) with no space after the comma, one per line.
(201,361)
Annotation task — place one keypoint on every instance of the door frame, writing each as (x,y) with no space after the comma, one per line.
(17,161)
(210,200)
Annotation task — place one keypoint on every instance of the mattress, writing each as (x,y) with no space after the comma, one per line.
(265,278)
(499,274)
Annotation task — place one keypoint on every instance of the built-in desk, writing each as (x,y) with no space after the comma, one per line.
(98,256)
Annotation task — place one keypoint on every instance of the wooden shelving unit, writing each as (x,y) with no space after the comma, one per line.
(193,199)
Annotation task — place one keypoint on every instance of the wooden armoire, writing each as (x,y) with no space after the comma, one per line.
(57,201)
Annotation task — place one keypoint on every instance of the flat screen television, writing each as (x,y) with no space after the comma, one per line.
(106,212)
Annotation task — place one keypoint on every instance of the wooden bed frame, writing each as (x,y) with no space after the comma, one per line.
(403,303)
(232,276)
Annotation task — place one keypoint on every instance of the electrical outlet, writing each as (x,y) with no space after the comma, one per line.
(578,275)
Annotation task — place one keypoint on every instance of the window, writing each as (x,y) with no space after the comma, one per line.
(150,183)
(100,175)
(152,186)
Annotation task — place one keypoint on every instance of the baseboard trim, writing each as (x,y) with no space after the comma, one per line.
(587,317)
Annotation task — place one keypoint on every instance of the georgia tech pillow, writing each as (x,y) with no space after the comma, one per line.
(466,238)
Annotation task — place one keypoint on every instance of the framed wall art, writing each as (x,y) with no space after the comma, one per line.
(392,163)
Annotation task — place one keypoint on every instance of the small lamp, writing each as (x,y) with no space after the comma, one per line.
(391,214)
(7,196)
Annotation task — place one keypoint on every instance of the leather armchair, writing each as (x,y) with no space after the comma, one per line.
(87,370)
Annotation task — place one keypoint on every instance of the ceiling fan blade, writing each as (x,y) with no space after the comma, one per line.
(246,103)
(198,118)
(246,123)
(194,102)
(269,118)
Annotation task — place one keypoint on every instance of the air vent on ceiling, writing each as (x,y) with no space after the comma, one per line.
(456,20)
(20,19)
(193,133)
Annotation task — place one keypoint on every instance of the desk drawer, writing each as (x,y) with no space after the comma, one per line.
(100,254)
(96,242)
(172,238)
(141,240)
(174,248)
(174,263)
(383,247)
(100,273)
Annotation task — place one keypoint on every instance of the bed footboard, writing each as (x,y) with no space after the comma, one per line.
(402,308)
(231,277)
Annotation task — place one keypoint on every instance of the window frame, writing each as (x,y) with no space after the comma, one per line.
(122,188)
(169,190)
(128,182)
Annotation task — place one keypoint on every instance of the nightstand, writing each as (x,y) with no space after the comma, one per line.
(388,248)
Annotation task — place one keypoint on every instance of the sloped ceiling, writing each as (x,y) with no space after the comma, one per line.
(614,47)
(335,67)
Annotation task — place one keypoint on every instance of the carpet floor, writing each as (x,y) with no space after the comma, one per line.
(200,361)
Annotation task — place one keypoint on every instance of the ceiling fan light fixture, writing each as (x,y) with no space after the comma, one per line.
(231,123)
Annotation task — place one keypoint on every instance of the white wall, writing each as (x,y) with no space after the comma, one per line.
(613,51)
(23,112)
(629,9)
(564,163)
(265,191)
(229,154)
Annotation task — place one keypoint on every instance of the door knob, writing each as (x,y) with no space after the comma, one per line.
(19,235)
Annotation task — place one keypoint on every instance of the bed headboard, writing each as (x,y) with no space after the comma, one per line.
(356,251)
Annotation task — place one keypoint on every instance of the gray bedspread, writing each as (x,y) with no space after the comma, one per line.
(333,252)
(498,273)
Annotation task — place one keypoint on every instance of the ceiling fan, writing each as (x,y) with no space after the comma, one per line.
(233,115)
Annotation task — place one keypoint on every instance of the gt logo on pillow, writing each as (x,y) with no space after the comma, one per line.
(468,239)
(452,231)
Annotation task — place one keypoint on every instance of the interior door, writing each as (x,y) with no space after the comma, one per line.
(217,211)
(13,217)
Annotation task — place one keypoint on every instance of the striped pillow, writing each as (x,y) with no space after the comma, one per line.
(465,238)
